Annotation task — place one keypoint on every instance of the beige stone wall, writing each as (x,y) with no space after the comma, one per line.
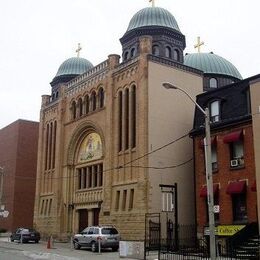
(255,109)
(170,117)
(161,117)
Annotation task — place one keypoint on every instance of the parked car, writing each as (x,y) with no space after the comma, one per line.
(25,235)
(106,236)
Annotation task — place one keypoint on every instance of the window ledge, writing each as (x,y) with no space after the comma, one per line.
(237,167)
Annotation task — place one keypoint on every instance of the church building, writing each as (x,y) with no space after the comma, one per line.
(111,136)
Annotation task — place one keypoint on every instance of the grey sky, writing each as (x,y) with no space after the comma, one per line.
(37,36)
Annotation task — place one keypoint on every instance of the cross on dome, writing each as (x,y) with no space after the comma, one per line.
(153,2)
(199,44)
(78,50)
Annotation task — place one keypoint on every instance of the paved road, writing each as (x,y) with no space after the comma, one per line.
(61,251)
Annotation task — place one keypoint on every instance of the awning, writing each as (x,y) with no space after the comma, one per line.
(213,141)
(232,137)
(204,190)
(236,187)
(253,187)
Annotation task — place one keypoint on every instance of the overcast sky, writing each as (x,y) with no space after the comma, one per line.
(37,36)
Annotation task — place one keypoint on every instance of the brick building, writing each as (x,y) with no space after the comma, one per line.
(233,159)
(18,157)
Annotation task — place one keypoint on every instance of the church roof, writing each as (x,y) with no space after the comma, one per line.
(153,16)
(211,63)
(74,66)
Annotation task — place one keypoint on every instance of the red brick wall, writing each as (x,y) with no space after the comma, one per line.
(223,175)
(18,156)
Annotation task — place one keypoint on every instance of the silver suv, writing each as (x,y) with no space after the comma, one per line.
(106,236)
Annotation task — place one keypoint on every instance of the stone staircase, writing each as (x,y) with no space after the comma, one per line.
(250,249)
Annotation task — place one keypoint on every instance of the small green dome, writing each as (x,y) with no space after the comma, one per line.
(211,63)
(153,16)
(74,66)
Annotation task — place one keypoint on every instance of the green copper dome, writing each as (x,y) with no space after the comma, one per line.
(153,16)
(74,66)
(211,63)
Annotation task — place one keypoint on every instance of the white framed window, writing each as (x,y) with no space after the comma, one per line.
(214,111)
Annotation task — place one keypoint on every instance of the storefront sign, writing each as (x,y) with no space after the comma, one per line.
(224,230)
(229,230)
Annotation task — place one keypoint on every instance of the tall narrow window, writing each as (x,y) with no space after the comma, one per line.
(120,121)
(80,106)
(42,207)
(101,97)
(214,111)
(176,55)
(93,101)
(46,146)
(131,199)
(95,176)
(79,179)
(155,50)
(126,56)
(50,146)
(117,200)
(50,205)
(168,52)
(213,83)
(83,171)
(132,52)
(124,199)
(90,177)
(100,174)
(54,144)
(86,104)
(133,100)
(126,119)
(73,110)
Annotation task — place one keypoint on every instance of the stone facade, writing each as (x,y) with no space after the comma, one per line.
(118,182)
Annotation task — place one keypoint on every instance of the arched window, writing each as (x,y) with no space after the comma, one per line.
(93,101)
(214,111)
(86,104)
(57,94)
(213,83)
(168,52)
(176,55)
(132,52)
(73,110)
(126,56)
(155,50)
(101,97)
(80,106)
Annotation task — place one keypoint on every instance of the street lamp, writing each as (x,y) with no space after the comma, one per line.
(209,179)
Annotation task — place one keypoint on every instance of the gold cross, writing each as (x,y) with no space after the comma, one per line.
(199,43)
(78,50)
(152,2)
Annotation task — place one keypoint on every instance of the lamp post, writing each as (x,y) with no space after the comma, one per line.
(209,179)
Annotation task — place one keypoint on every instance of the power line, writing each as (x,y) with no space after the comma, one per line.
(120,166)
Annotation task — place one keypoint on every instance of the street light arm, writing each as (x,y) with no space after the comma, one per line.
(169,85)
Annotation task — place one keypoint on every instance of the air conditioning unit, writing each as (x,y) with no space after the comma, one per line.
(234,163)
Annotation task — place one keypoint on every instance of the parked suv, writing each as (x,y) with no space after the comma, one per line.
(107,236)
